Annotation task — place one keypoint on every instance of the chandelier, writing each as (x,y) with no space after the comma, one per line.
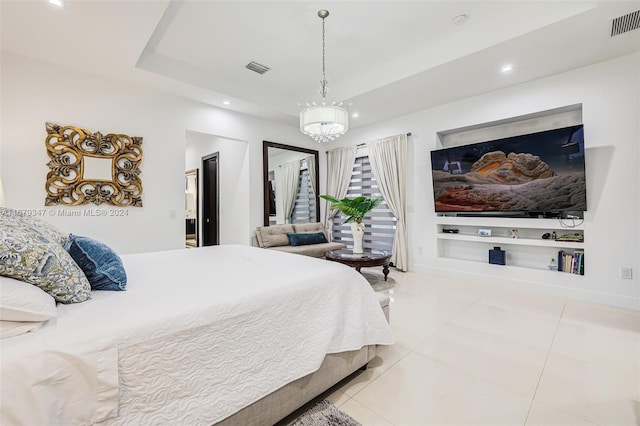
(324,122)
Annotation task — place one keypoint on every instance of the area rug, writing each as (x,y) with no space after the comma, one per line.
(324,413)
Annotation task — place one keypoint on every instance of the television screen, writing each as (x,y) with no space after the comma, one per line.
(536,174)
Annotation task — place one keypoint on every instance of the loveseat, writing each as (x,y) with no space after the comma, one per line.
(275,237)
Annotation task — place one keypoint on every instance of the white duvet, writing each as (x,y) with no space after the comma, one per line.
(198,335)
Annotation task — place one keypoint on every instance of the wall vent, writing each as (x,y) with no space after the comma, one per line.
(256,67)
(625,23)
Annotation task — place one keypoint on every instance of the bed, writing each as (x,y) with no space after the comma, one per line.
(224,334)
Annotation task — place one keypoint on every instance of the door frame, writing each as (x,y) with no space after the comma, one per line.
(205,189)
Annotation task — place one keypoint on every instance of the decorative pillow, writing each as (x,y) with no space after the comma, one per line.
(46,229)
(274,236)
(20,301)
(16,328)
(31,256)
(306,239)
(101,265)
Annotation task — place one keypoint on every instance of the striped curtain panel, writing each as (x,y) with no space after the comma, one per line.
(339,168)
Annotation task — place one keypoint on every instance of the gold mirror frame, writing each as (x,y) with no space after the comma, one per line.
(67,147)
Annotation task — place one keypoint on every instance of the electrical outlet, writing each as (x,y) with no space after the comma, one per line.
(626,273)
(419,250)
(172,214)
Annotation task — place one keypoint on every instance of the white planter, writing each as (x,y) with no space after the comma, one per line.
(357,230)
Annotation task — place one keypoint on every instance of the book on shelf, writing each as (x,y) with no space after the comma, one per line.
(572,263)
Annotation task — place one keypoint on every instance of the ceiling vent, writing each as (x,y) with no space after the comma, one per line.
(256,67)
(625,23)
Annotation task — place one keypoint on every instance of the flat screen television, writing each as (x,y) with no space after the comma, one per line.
(535,175)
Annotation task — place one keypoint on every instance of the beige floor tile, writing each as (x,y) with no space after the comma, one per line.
(610,318)
(337,397)
(522,301)
(411,334)
(363,415)
(385,357)
(507,363)
(617,350)
(595,393)
(432,307)
(544,415)
(524,327)
(421,391)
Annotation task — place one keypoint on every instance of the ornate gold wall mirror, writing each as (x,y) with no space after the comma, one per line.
(87,167)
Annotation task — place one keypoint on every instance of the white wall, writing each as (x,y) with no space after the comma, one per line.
(34,92)
(609,94)
(233,182)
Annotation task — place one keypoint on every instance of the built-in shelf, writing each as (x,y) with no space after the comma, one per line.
(529,255)
(516,241)
(530,251)
(567,225)
(483,267)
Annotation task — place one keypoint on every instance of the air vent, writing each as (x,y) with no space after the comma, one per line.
(625,23)
(256,67)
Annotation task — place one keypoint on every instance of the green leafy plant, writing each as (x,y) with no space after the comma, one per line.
(353,208)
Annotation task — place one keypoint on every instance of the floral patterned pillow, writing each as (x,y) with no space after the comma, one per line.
(30,254)
(40,226)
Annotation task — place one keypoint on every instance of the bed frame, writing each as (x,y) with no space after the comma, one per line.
(284,401)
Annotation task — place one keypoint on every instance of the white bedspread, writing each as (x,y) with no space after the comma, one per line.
(201,333)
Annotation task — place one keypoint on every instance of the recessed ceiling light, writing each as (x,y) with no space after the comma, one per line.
(226,102)
(506,68)
(57,3)
(355,115)
(460,19)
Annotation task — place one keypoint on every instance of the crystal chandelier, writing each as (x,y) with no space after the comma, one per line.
(324,122)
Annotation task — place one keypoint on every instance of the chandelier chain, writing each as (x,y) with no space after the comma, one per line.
(324,122)
(323,83)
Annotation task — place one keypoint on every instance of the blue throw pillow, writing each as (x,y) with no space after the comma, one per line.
(102,266)
(307,239)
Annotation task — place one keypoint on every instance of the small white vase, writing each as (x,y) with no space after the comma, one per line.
(357,231)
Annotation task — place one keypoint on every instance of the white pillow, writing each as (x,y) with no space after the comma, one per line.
(20,301)
(16,328)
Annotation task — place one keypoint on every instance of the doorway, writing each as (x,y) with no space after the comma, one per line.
(191,208)
(210,200)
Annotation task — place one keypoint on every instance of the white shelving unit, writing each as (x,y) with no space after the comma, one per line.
(514,241)
(529,251)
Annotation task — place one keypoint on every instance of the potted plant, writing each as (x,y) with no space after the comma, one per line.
(355,209)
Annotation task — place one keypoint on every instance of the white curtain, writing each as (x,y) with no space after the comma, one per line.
(290,173)
(339,169)
(388,158)
(311,166)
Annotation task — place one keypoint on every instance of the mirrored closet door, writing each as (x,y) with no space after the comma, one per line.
(191,208)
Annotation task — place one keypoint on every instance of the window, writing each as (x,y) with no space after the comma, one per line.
(380,223)
(304,209)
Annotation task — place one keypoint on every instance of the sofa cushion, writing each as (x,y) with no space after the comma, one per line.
(314,250)
(308,227)
(274,236)
(307,238)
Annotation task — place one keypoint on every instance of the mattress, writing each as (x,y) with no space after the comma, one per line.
(198,335)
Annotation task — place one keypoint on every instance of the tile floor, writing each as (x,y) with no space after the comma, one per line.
(471,353)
